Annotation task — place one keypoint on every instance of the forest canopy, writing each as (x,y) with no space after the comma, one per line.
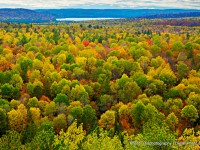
(108,84)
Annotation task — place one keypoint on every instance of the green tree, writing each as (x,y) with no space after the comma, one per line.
(14,104)
(62,98)
(44,138)
(23,40)
(137,52)
(140,79)
(157,62)
(8,91)
(25,65)
(155,50)
(105,102)
(137,112)
(194,99)
(89,118)
(159,134)
(28,134)
(152,115)
(76,112)
(60,123)
(104,80)
(17,81)
(35,89)
(177,46)
(5,105)
(167,76)
(3,122)
(129,92)
(182,70)
(157,101)
(79,93)
(127,89)
(190,113)
(11,141)
(189,48)
(32,102)
(35,75)
(50,109)
(37,64)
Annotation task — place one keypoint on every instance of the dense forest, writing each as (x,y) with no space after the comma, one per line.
(108,85)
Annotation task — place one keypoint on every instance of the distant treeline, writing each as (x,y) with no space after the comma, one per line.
(173,15)
(48,15)
(113,13)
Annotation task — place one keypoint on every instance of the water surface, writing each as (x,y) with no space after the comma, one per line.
(83,19)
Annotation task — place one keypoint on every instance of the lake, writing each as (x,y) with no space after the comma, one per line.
(83,19)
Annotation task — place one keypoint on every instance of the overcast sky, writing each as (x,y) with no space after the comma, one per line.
(34,4)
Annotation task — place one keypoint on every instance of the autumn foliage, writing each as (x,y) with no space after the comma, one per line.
(99,83)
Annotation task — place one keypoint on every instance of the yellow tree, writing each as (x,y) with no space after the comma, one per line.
(191,140)
(17,118)
(107,120)
(172,121)
(60,123)
(70,139)
(102,141)
(35,114)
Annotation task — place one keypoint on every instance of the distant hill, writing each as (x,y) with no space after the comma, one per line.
(111,13)
(46,15)
(173,15)
(24,15)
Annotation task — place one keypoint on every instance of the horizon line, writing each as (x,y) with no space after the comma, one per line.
(138,8)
